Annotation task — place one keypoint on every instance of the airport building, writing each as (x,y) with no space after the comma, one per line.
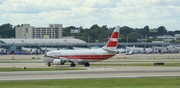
(13,45)
(25,31)
(39,45)
(167,38)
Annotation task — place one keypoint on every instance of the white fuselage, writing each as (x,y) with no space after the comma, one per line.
(78,55)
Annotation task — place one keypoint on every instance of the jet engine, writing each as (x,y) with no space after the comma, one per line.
(58,62)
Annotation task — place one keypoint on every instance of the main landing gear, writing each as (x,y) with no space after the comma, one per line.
(49,64)
(86,64)
(72,65)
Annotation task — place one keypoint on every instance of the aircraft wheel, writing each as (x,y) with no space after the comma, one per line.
(73,65)
(87,64)
(49,64)
(62,63)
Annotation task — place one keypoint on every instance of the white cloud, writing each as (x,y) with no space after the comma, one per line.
(132,13)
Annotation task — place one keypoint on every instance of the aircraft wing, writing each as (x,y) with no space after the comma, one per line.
(63,58)
(71,60)
(67,59)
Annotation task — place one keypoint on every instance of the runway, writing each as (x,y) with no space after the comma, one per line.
(94,72)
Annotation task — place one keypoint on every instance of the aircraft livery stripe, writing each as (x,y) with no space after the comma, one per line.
(113,40)
(115,35)
(83,57)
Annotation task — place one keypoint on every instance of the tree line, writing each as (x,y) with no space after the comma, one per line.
(101,34)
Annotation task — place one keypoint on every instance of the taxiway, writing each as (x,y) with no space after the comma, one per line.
(94,72)
(20,61)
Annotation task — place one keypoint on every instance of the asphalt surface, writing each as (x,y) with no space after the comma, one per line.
(21,61)
(94,72)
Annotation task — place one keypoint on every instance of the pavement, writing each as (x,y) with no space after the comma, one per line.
(94,72)
(21,61)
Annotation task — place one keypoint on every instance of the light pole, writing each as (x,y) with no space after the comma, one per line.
(126,43)
(88,42)
(57,45)
(145,44)
(145,41)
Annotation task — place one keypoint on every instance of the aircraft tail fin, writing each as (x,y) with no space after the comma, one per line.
(113,40)
(131,51)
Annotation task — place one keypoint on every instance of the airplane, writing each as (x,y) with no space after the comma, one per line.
(122,51)
(141,50)
(131,51)
(31,50)
(60,57)
(167,49)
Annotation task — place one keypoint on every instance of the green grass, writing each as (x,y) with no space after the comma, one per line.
(38,69)
(96,83)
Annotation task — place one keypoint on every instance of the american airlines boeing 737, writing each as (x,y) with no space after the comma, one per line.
(60,57)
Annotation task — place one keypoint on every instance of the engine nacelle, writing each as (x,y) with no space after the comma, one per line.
(58,62)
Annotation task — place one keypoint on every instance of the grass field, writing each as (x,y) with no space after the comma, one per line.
(96,83)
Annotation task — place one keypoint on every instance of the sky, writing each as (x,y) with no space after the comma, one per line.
(85,13)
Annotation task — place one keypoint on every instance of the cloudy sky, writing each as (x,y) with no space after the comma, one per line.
(85,13)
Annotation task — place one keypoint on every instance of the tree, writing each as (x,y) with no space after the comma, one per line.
(94,26)
(97,33)
(104,27)
(122,38)
(177,32)
(126,30)
(132,37)
(66,31)
(162,30)
(170,33)
(7,31)
(146,31)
